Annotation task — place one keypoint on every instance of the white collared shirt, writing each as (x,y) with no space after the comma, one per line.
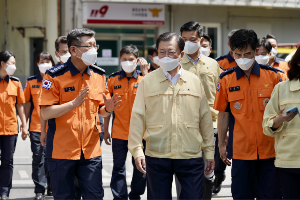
(175,78)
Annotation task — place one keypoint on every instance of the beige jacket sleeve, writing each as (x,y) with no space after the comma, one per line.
(206,127)
(209,82)
(272,110)
(137,123)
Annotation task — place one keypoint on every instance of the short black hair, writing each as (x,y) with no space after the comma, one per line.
(59,40)
(231,33)
(152,50)
(205,36)
(269,36)
(192,26)
(44,56)
(74,36)
(168,36)
(242,38)
(130,49)
(294,72)
(265,43)
(5,56)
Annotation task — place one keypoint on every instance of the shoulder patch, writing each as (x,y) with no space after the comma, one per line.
(14,78)
(56,69)
(267,67)
(97,69)
(220,58)
(32,77)
(114,74)
(227,72)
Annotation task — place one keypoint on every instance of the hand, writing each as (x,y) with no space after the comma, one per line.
(144,66)
(223,154)
(80,98)
(283,118)
(210,166)
(106,138)
(43,138)
(24,132)
(112,103)
(140,164)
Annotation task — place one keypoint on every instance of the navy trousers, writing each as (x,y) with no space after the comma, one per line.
(8,146)
(255,178)
(88,172)
(220,166)
(118,180)
(160,173)
(77,187)
(290,182)
(38,163)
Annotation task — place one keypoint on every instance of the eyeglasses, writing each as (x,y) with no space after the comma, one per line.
(163,54)
(89,47)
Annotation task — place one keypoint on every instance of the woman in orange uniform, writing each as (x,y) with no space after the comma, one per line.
(11,99)
(32,111)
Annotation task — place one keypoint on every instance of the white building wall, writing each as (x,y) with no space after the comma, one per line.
(28,13)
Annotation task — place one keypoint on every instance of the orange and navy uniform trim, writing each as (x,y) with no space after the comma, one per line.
(11,93)
(226,62)
(245,100)
(76,131)
(119,83)
(32,92)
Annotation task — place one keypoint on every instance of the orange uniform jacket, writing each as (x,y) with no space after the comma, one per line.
(246,101)
(32,92)
(281,65)
(77,130)
(118,83)
(11,93)
(226,62)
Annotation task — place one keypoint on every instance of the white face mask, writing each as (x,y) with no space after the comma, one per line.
(128,66)
(244,63)
(205,51)
(89,57)
(10,69)
(274,52)
(64,58)
(263,60)
(191,47)
(156,60)
(168,64)
(43,67)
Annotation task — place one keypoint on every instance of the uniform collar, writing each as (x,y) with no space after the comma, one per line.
(74,71)
(123,74)
(276,60)
(6,79)
(255,70)
(162,77)
(295,85)
(39,77)
(229,57)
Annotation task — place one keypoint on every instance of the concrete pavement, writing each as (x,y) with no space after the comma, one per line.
(23,187)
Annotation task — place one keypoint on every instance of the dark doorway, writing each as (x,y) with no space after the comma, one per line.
(36,47)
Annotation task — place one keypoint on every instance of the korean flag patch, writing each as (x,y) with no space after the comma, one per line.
(47,84)
(218,87)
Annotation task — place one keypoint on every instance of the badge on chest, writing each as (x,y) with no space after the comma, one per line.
(69,89)
(117,87)
(232,89)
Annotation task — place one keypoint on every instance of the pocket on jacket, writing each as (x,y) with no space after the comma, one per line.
(157,138)
(191,138)
(288,147)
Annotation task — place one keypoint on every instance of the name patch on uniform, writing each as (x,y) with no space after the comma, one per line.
(218,87)
(35,86)
(232,89)
(136,85)
(69,89)
(47,84)
(117,87)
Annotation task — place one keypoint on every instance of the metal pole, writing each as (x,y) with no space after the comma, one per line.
(6,28)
